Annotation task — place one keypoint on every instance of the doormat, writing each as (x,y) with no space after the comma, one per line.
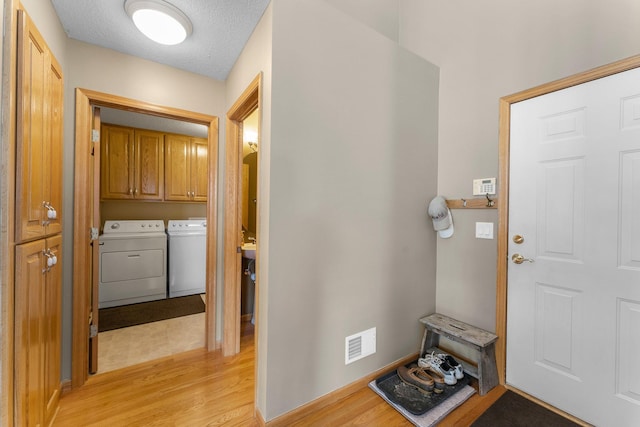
(147,312)
(422,410)
(513,410)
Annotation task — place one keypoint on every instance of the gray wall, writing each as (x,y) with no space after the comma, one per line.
(256,60)
(487,50)
(353,165)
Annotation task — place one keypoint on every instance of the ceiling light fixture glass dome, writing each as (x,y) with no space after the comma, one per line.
(160,21)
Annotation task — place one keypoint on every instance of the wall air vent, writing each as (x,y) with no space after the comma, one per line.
(359,345)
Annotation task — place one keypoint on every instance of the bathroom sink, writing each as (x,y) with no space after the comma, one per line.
(249,250)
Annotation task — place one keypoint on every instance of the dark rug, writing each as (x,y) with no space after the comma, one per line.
(147,312)
(513,410)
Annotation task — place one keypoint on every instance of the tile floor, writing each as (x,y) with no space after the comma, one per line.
(128,346)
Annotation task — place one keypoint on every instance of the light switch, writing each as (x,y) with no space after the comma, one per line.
(484,230)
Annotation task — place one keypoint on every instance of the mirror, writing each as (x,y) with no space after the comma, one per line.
(249,175)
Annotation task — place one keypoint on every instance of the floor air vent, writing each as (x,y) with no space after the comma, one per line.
(360,345)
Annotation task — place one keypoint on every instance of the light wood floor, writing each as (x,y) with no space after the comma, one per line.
(197,388)
(124,347)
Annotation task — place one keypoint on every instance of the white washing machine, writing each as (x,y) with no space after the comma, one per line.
(187,257)
(133,262)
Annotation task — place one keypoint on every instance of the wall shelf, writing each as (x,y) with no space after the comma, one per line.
(477,203)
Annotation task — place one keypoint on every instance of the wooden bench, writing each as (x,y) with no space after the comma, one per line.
(481,341)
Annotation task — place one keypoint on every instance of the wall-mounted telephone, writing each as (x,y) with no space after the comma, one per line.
(484,186)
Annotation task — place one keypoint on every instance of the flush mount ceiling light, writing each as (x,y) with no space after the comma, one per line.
(160,21)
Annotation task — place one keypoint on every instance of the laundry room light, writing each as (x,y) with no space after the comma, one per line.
(160,21)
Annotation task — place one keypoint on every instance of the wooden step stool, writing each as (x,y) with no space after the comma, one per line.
(481,341)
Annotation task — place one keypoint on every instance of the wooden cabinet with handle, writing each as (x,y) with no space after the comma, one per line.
(132,163)
(38,224)
(39,136)
(38,299)
(186,168)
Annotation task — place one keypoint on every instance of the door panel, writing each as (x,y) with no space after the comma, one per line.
(55,124)
(31,147)
(199,168)
(149,165)
(573,305)
(117,145)
(94,201)
(177,170)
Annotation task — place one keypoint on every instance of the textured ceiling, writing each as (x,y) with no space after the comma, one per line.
(221,28)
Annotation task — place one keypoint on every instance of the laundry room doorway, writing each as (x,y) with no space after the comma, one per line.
(87,221)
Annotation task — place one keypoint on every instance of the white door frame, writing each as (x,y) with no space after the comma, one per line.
(503,199)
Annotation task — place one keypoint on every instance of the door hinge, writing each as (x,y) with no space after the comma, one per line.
(93,331)
(94,233)
(95,135)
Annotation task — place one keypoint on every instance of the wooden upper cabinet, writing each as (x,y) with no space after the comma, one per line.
(149,165)
(199,169)
(186,168)
(116,157)
(39,137)
(132,163)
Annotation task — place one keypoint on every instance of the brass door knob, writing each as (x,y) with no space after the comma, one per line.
(519,259)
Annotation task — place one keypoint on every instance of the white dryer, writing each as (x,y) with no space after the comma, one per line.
(133,262)
(187,257)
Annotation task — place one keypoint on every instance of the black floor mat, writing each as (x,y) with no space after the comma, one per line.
(412,399)
(147,312)
(513,410)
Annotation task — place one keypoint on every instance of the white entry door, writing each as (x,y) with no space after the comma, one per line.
(573,307)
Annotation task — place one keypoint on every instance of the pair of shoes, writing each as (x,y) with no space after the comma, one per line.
(441,366)
(459,372)
(417,377)
(438,378)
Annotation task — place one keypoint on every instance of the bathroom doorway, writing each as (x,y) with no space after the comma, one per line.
(238,249)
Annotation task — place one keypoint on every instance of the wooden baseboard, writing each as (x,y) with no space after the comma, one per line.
(65,387)
(336,395)
(260,418)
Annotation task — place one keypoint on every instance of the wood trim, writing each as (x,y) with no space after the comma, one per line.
(85,100)
(260,419)
(211,294)
(246,103)
(503,204)
(7,212)
(232,260)
(81,242)
(96,123)
(472,203)
(334,397)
